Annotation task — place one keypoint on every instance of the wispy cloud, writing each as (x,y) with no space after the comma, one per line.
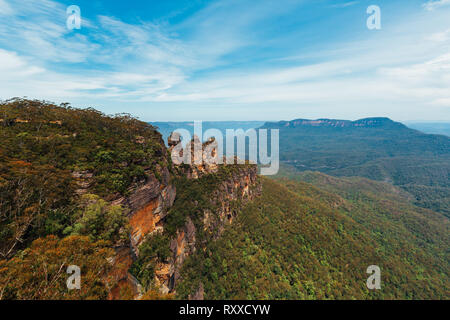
(442,36)
(434,4)
(230,53)
(136,61)
(345,4)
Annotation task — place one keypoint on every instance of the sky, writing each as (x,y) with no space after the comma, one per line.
(178,60)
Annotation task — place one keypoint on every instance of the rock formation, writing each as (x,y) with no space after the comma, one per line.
(149,203)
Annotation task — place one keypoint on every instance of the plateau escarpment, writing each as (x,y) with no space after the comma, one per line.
(75,174)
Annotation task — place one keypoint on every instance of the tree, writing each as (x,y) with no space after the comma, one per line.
(39,272)
(99,220)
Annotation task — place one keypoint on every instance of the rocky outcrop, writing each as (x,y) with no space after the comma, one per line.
(127,286)
(83,180)
(174,139)
(240,187)
(149,203)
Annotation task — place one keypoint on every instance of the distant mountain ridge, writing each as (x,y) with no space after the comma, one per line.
(366,122)
(375,148)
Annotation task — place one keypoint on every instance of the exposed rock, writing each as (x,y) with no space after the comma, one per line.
(174,139)
(140,140)
(243,186)
(181,246)
(149,203)
(144,222)
(84,180)
(125,281)
(144,194)
(203,158)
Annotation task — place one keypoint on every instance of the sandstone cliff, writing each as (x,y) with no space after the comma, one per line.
(150,202)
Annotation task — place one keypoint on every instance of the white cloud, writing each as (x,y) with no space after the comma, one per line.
(38,29)
(434,4)
(144,60)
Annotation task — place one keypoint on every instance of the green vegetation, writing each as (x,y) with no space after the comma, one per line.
(301,242)
(99,220)
(311,236)
(153,250)
(375,148)
(38,272)
(43,146)
(194,197)
(49,156)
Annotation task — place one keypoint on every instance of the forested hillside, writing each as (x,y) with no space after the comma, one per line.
(300,242)
(45,146)
(60,170)
(375,148)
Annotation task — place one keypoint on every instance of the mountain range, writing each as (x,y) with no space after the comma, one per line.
(375,148)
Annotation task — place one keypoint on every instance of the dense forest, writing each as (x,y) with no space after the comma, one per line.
(301,242)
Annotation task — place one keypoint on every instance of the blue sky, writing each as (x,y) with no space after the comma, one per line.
(231,60)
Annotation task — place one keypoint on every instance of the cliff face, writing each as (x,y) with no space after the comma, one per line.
(240,187)
(150,203)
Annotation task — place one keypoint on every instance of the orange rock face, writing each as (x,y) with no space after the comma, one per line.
(144,221)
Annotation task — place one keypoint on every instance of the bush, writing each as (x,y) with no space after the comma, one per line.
(99,220)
